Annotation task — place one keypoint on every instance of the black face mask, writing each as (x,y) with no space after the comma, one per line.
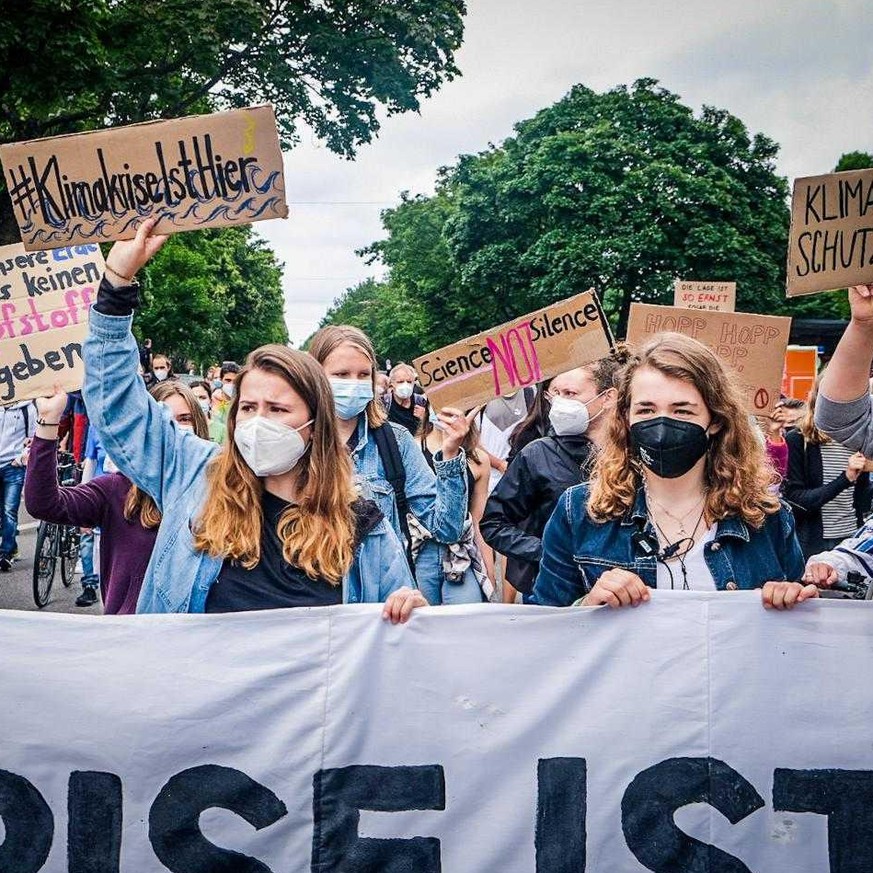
(667,446)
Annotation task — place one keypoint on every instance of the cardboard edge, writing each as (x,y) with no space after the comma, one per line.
(5,147)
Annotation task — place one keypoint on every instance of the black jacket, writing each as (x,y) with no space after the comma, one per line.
(519,507)
(807,492)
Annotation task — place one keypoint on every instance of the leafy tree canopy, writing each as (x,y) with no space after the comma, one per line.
(211,296)
(73,65)
(622,191)
(854,161)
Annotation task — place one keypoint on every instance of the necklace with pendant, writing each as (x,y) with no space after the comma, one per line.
(680,520)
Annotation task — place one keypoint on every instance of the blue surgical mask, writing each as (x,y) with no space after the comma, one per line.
(434,419)
(351,396)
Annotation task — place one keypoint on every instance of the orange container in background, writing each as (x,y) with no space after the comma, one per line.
(801,367)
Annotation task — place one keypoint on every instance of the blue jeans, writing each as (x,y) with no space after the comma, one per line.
(435,587)
(90,579)
(11,485)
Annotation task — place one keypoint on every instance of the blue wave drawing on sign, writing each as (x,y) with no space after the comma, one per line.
(203,211)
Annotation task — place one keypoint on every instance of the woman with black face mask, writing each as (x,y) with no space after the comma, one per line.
(679,497)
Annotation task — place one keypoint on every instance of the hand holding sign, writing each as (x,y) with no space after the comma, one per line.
(128,257)
(861,303)
(456,426)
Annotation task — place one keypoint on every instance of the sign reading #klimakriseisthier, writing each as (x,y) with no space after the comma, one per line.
(195,172)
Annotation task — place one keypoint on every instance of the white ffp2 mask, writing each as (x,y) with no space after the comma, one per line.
(269,447)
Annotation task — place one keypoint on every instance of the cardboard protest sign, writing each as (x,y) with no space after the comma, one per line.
(44,302)
(753,346)
(195,172)
(711,296)
(523,352)
(801,368)
(831,241)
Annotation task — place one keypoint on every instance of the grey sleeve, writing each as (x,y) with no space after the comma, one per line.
(850,424)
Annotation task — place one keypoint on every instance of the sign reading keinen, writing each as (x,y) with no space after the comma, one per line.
(831,240)
(753,346)
(328,740)
(44,302)
(195,172)
(711,296)
(523,352)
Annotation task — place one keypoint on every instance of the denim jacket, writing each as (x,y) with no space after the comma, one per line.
(438,501)
(577,550)
(169,463)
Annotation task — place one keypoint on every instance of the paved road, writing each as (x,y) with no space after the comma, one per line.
(16,588)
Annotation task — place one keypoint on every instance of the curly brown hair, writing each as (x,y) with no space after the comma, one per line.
(737,474)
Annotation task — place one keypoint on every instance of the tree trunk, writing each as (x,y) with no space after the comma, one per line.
(9,232)
(623,313)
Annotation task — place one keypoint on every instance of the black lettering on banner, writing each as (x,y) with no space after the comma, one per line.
(846,798)
(29,825)
(174,819)
(94,805)
(339,795)
(762,398)
(653,797)
(562,807)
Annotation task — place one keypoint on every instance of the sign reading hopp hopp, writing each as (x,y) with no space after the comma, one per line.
(195,172)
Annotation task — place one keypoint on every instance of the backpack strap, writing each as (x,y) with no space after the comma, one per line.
(395,473)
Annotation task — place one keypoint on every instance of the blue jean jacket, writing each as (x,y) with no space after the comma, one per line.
(169,463)
(577,550)
(438,501)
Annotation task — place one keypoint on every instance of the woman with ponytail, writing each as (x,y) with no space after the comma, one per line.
(269,520)
(127,517)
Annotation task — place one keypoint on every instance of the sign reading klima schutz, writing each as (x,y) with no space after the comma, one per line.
(195,172)
(502,360)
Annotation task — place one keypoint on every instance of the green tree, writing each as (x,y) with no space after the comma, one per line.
(212,296)
(854,161)
(394,319)
(622,191)
(73,65)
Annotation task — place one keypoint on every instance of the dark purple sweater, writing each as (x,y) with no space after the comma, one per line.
(125,546)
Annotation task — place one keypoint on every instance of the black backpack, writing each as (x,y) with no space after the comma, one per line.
(395,473)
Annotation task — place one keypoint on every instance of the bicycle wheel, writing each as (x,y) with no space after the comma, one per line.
(69,554)
(44,561)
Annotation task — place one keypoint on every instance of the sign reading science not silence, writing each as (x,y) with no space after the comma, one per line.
(515,355)
(195,172)
(753,346)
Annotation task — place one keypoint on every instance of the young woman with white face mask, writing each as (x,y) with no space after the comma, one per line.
(519,507)
(437,500)
(270,520)
(127,517)
(679,497)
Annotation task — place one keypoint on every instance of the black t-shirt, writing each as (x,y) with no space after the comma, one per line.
(273,583)
(401,415)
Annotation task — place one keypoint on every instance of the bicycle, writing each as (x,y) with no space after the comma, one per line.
(56,542)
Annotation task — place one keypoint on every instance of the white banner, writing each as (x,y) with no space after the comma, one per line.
(510,739)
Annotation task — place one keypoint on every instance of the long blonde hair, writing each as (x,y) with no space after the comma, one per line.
(329,339)
(138,504)
(318,531)
(737,474)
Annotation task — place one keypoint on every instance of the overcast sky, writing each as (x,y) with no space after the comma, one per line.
(799,71)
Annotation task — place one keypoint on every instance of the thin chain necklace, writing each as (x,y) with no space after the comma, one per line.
(690,538)
(680,520)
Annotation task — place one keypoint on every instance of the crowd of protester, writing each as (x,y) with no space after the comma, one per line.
(315,478)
